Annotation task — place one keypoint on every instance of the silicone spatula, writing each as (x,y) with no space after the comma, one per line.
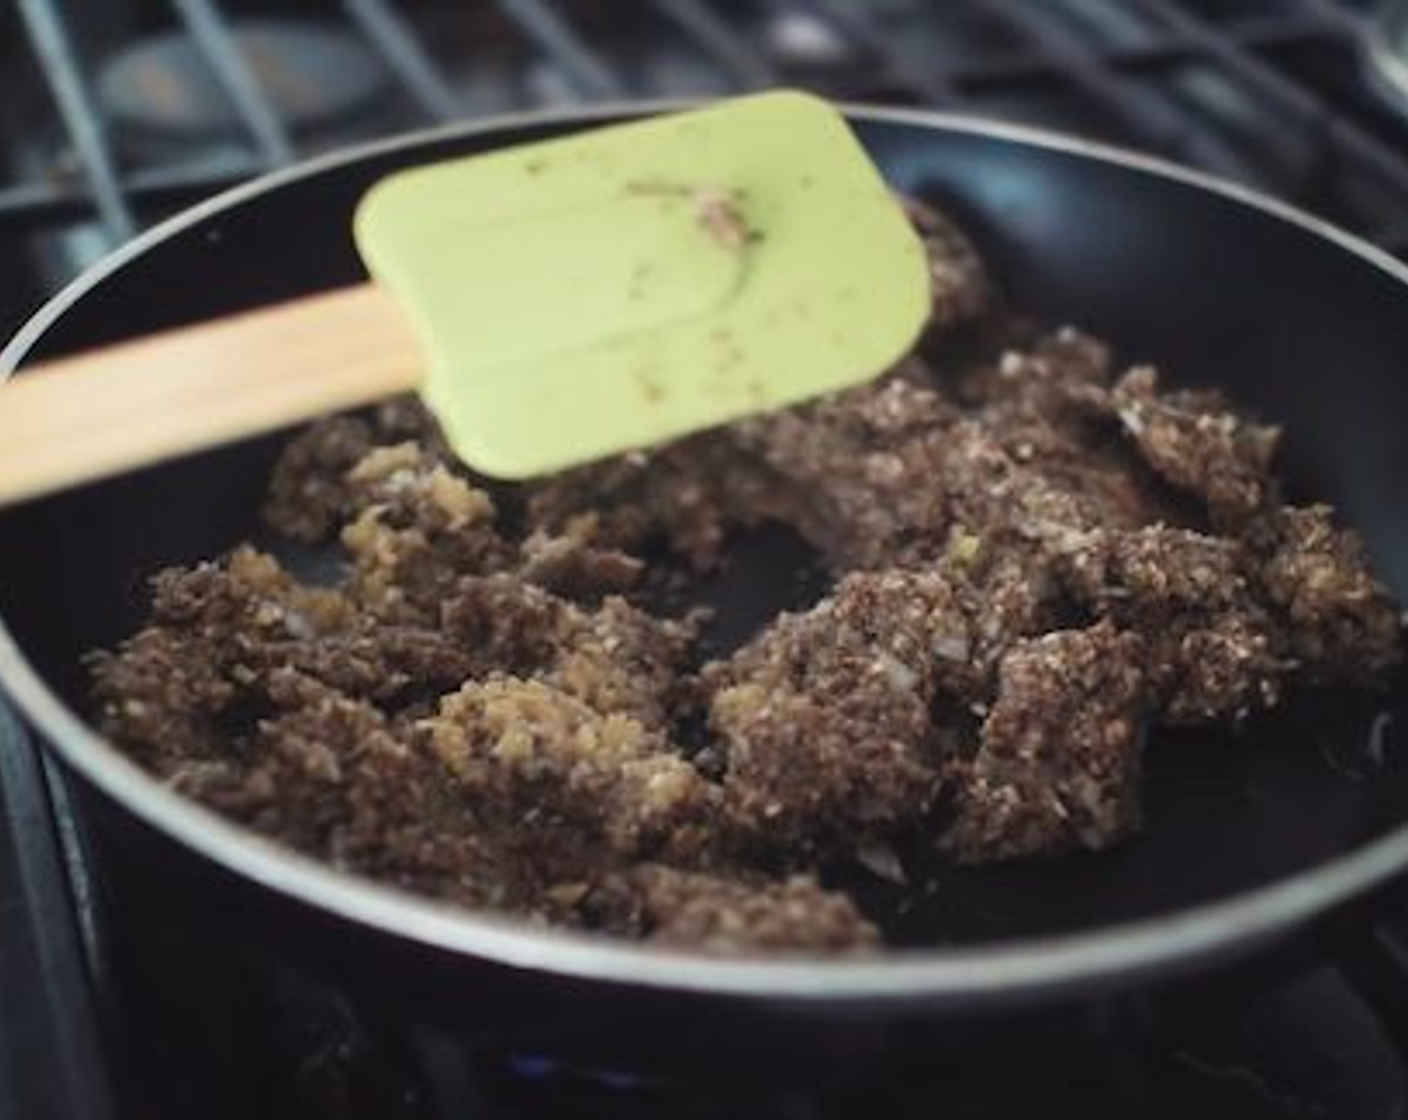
(553,303)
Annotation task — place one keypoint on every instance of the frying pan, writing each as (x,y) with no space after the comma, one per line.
(1251,837)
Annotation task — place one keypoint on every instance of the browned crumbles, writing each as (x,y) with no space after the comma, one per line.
(1060,755)
(1316,577)
(857,674)
(549,762)
(729,914)
(1198,444)
(1034,557)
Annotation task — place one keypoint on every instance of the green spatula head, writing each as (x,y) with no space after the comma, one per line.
(624,286)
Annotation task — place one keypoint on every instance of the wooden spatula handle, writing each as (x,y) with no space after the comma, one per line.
(82,418)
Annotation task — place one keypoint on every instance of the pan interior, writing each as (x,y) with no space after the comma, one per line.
(1294,327)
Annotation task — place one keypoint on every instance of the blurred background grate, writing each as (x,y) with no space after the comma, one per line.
(116,114)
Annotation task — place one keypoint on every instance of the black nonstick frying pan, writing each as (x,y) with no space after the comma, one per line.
(1249,838)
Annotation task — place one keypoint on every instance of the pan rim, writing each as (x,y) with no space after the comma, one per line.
(960,975)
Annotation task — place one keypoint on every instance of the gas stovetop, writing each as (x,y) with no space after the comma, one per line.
(114,115)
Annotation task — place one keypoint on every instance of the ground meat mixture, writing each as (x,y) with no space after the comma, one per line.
(1033,556)
(859,673)
(1058,765)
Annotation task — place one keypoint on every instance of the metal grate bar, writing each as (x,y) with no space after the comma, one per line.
(215,40)
(80,116)
(934,87)
(581,65)
(1021,65)
(1138,111)
(1045,49)
(1286,95)
(1341,17)
(747,66)
(35,205)
(57,1065)
(393,39)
